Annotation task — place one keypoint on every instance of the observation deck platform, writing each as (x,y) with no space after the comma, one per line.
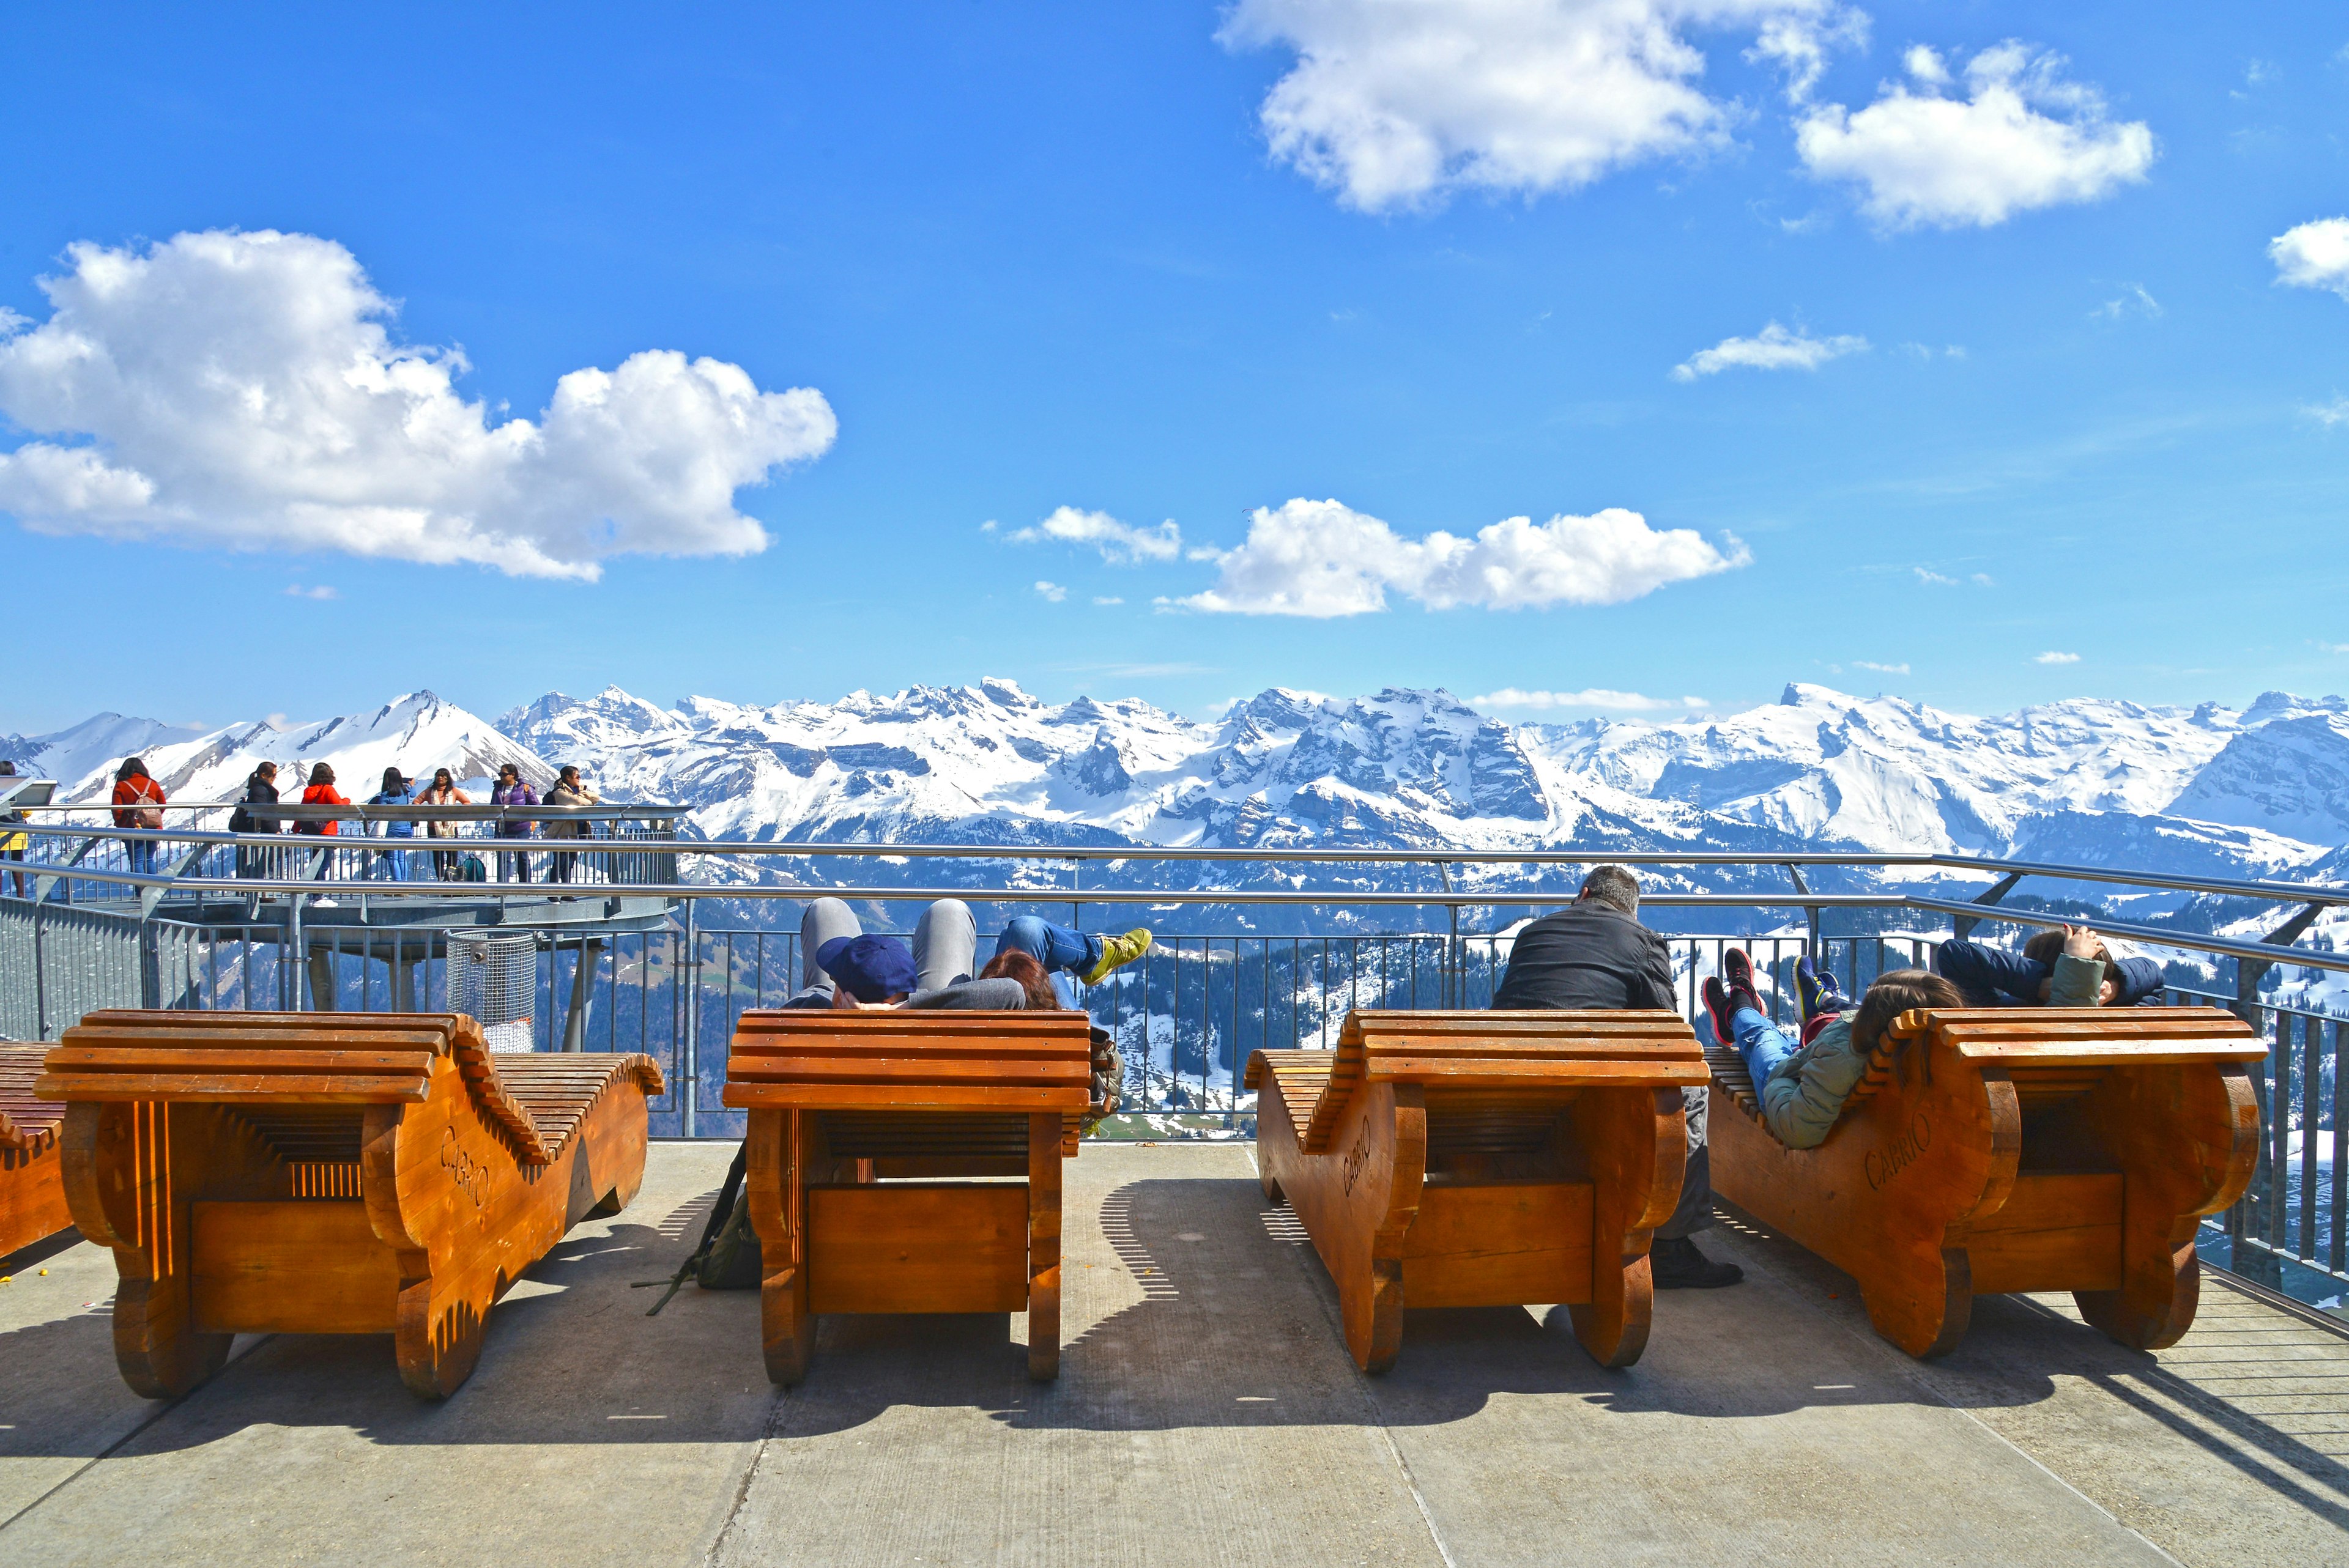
(1205,1412)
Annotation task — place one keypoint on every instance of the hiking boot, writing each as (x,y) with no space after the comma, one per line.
(1117,952)
(1721,1009)
(1675,1264)
(1818,990)
(1737,971)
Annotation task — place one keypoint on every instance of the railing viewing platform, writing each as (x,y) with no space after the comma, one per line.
(1205,1409)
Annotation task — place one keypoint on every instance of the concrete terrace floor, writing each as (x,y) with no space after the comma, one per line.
(1206,1413)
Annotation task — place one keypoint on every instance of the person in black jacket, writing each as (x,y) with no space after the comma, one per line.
(260,789)
(1992,978)
(1595,953)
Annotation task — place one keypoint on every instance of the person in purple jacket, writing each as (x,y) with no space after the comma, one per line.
(513,789)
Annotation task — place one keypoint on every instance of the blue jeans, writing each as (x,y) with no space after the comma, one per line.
(142,853)
(1762,1043)
(391,864)
(1058,948)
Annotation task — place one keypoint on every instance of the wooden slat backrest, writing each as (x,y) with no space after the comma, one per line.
(894,1059)
(315,1059)
(1497,1050)
(1730,1077)
(558,1089)
(25,1118)
(1303,1077)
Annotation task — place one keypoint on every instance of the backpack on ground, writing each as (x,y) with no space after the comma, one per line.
(470,868)
(728,1258)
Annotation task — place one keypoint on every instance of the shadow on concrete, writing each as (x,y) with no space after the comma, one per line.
(40,1252)
(2015,1344)
(570,1357)
(1238,1328)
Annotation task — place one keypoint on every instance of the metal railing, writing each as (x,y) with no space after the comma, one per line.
(1187,1016)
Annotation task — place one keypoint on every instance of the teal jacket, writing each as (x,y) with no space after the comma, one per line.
(1806,1091)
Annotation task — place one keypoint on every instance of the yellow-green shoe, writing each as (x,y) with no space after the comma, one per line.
(1117,951)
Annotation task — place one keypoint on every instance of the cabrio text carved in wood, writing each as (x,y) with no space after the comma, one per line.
(329,1174)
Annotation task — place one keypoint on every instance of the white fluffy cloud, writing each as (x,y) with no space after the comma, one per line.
(1593,697)
(244,390)
(1120,542)
(1394,103)
(1881,669)
(2052,657)
(1050,593)
(1322,558)
(2314,255)
(2022,138)
(1772,348)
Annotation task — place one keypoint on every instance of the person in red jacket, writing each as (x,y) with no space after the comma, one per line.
(138,803)
(321,791)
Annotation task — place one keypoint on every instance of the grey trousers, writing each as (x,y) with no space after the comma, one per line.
(946,945)
(1695,1209)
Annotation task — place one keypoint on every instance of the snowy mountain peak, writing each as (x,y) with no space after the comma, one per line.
(2082,779)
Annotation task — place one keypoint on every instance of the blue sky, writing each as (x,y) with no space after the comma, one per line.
(1046,256)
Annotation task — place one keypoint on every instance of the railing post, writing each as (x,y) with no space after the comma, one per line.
(690,1048)
(1810,912)
(40,971)
(1963,925)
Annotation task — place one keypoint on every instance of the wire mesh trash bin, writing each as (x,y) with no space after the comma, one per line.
(494,977)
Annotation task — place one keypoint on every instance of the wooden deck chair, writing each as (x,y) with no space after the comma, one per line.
(867,1128)
(1483,1159)
(32,1197)
(2028,1149)
(329,1174)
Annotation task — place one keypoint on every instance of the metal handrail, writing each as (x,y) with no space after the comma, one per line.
(2231,887)
(155,885)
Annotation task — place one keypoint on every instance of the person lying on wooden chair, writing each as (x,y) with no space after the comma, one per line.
(841,967)
(2063,967)
(1803,1087)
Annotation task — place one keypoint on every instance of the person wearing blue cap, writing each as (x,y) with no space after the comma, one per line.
(843,966)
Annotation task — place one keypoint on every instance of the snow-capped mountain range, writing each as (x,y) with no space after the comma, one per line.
(2262,790)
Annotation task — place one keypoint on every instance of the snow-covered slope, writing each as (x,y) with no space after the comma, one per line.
(1892,775)
(417,733)
(2261,791)
(2286,772)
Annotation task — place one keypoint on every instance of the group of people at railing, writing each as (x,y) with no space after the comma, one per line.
(400,864)
(138,801)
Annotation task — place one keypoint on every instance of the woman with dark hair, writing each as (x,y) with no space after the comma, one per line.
(1803,1087)
(320,791)
(513,789)
(1060,951)
(567,790)
(260,789)
(447,864)
(397,790)
(138,803)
